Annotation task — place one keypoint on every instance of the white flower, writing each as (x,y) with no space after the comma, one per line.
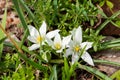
(59,44)
(39,37)
(76,45)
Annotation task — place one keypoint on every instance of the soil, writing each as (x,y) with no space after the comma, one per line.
(109,28)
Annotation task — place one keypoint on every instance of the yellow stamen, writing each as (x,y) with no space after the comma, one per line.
(77,48)
(39,39)
(58,46)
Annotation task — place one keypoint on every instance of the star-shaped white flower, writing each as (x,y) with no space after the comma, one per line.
(39,37)
(76,45)
(59,44)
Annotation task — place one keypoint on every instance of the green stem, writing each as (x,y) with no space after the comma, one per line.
(58,61)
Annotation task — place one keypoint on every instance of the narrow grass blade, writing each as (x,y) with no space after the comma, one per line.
(53,75)
(21,16)
(94,72)
(114,41)
(107,62)
(20,13)
(2,35)
(31,15)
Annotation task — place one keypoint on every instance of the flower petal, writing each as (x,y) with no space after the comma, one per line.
(86,44)
(66,40)
(57,39)
(78,35)
(75,58)
(87,58)
(33,31)
(34,47)
(52,34)
(43,28)
(32,39)
(59,51)
(68,52)
(49,41)
(71,44)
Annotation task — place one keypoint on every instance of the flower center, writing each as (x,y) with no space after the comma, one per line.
(77,48)
(39,39)
(57,46)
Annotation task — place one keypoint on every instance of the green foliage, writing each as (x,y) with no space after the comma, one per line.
(65,15)
(68,70)
(116,75)
(109,4)
(19,70)
(95,38)
(24,73)
(54,74)
(59,14)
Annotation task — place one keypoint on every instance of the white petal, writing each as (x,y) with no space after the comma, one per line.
(52,34)
(87,58)
(34,47)
(32,39)
(66,40)
(75,58)
(68,52)
(43,28)
(71,44)
(49,41)
(73,31)
(78,35)
(57,39)
(33,31)
(87,45)
(59,51)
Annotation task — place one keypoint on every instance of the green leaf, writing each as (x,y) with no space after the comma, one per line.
(102,3)
(109,4)
(66,66)
(31,15)
(116,75)
(91,22)
(106,62)
(2,35)
(53,75)
(117,23)
(1,40)
(66,70)
(20,13)
(107,21)
(94,71)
